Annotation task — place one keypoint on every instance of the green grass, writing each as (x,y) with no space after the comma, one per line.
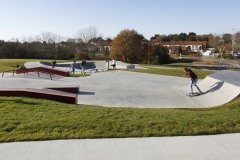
(10,64)
(80,75)
(25,119)
(171,71)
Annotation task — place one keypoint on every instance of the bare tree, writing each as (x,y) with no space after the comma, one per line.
(86,34)
(51,37)
(30,39)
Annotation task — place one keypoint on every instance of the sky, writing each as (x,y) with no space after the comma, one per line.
(28,18)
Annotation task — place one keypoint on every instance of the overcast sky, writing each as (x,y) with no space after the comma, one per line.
(19,18)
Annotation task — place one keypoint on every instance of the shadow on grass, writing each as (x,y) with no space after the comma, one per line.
(18,101)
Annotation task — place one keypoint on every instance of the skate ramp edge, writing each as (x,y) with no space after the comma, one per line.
(51,94)
(216,92)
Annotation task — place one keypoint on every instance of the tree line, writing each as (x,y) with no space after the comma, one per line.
(216,41)
(128,45)
(48,45)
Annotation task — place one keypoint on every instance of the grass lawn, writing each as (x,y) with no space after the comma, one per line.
(10,64)
(25,119)
(172,71)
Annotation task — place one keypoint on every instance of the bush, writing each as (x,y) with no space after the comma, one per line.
(83,63)
(159,55)
(195,54)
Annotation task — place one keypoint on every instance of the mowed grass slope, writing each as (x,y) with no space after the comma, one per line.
(25,119)
(172,71)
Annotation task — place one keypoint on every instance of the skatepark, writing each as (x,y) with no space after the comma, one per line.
(120,88)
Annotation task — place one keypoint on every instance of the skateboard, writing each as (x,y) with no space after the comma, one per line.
(194,94)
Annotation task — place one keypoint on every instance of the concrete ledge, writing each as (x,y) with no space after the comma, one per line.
(59,96)
(125,67)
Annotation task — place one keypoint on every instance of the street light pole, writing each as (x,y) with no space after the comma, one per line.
(148,54)
(148,43)
(221,50)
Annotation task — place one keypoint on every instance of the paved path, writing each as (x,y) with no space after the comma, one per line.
(219,147)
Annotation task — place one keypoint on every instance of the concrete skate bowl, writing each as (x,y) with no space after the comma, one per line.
(63,65)
(90,65)
(104,65)
(217,89)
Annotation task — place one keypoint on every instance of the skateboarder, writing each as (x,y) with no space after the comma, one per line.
(193,81)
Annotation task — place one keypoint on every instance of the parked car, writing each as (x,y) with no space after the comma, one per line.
(234,52)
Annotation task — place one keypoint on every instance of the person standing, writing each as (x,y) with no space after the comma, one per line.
(73,66)
(54,63)
(193,81)
(114,64)
(82,66)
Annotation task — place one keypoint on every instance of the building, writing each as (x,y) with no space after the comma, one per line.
(194,46)
(103,46)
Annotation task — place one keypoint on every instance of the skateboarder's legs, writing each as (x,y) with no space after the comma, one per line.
(194,83)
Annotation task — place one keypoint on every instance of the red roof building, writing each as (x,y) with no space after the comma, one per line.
(194,46)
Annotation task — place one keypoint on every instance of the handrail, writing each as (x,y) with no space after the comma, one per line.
(8,71)
(39,69)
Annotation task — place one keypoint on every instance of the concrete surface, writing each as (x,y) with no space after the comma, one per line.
(127,89)
(219,147)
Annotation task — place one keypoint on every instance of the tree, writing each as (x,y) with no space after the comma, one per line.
(213,41)
(86,34)
(237,35)
(153,39)
(86,39)
(128,43)
(192,36)
(162,38)
(109,40)
(227,38)
(182,37)
(159,55)
(52,42)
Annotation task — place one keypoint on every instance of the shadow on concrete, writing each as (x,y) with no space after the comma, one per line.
(86,93)
(215,87)
(88,65)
